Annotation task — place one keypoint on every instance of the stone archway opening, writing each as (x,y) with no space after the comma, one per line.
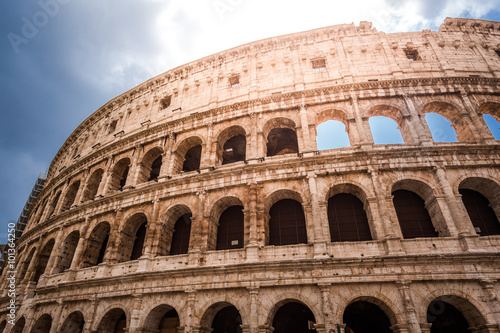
(42,325)
(114,321)
(454,314)
(227,320)
(96,246)
(74,323)
(19,326)
(282,141)
(294,317)
(162,319)
(363,316)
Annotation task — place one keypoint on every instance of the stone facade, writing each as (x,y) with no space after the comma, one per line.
(102,251)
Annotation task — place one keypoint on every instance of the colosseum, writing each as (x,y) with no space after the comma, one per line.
(200,201)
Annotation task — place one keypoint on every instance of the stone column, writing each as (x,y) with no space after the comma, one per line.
(207,159)
(253,325)
(135,316)
(190,311)
(81,189)
(457,216)
(491,298)
(56,318)
(363,130)
(388,228)
(327,307)
(319,239)
(151,233)
(353,132)
(60,201)
(135,167)
(114,240)
(419,130)
(55,254)
(106,178)
(478,127)
(166,169)
(304,124)
(252,246)
(409,307)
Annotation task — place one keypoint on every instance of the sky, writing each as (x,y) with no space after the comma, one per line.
(60,60)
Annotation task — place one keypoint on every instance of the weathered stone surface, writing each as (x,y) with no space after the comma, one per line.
(68,283)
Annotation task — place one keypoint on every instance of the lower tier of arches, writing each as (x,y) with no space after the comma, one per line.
(396,306)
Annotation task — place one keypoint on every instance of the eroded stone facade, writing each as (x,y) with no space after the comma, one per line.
(102,251)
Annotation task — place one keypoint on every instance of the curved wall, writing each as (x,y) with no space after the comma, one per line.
(203,188)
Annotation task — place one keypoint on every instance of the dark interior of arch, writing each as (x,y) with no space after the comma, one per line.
(42,325)
(181,235)
(227,320)
(413,217)
(2,326)
(69,200)
(294,317)
(347,219)
(481,214)
(192,159)
(445,318)
(231,229)
(43,259)
(155,168)
(282,141)
(93,185)
(234,149)
(170,322)
(96,245)
(115,321)
(124,175)
(140,236)
(73,324)
(19,326)
(68,249)
(361,317)
(287,223)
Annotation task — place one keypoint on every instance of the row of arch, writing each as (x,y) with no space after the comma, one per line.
(348,213)
(364,314)
(279,136)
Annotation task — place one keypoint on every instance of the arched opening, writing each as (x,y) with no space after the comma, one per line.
(454,314)
(162,319)
(412,215)
(385,130)
(115,321)
(53,205)
(3,324)
(119,175)
(26,264)
(150,165)
(282,141)
(480,212)
(67,252)
(362,316)
(181,235)
(69,199)
(19,326)
(96,245)
(132,239)
(140,236)
(441,128)
(332,134)
(74,323)
(192,159)
(294,317)
(493,125)
(43,259)
(234,149)
(155,168)
(231,229)
(287,223)
(227,320)
(43,324)
(347,219)
(92,185)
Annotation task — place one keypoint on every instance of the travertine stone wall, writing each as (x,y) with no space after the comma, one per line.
(251,90)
